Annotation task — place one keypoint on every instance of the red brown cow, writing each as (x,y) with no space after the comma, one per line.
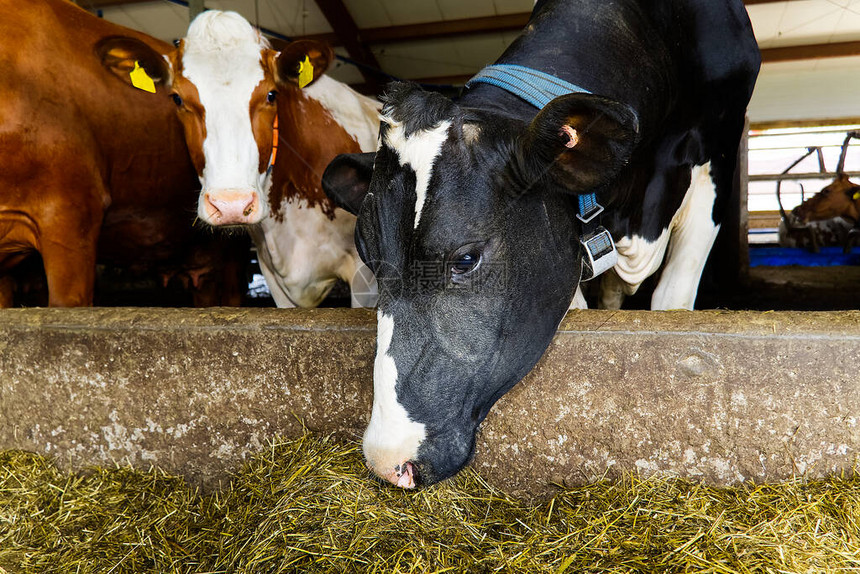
(228,86)
(830,217)
(90,167)
(839,199)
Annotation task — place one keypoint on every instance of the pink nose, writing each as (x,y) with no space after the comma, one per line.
(231,207)
(403,475)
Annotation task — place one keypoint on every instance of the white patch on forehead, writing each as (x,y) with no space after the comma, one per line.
(391,438)
(419,151)
(221,57)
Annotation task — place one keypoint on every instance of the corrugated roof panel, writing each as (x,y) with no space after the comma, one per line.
(293,18)
(509,37)
(289,17)
(805,90)
(457,9)
(161,20)
(414,12)
(849,24)
(167,21)
(805,22)
(380,13)
(766,20)
(368,13)
(344,72)
(513,6)
(813,89)
(422,59)
(479,51)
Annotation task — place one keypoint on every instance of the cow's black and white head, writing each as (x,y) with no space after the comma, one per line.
(468,224)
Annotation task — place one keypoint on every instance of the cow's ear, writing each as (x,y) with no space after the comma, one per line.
(134,62)
(302,62)
(580,141)
(347,179)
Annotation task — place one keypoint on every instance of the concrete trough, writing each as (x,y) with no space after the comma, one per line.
(719,396)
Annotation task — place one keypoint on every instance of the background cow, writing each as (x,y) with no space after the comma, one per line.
(228,85)
(470,220)
(840,198)
(90,168)
(830,217)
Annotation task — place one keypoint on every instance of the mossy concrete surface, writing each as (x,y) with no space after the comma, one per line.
(721,396)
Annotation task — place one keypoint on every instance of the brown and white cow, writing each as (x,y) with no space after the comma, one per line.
(830,217)
(90,168)
(841,198)
(228,85)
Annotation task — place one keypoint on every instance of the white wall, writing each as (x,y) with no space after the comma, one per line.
(807,90)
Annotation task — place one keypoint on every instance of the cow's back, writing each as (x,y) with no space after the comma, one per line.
(64,113)
(53,80)
(86,158)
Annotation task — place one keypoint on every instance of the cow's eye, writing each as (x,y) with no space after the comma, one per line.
(176,99)
(272,96)
(464,261)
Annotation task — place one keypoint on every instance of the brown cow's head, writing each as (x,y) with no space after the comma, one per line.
(840,198)
(224,79)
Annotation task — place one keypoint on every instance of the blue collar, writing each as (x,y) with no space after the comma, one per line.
(533,86)
(538,89)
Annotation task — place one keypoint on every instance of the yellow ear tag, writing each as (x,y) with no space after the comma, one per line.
(306,72)
(141,80)
(856,196)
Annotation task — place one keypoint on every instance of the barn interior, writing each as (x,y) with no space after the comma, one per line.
(805,98)
(742,400)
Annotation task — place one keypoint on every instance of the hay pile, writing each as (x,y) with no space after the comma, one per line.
(308,506)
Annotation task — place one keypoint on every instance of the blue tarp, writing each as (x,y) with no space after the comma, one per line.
(783,256)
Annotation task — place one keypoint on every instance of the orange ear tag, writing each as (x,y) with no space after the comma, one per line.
(141,80)
(306,72)
(856,196)
(275,139)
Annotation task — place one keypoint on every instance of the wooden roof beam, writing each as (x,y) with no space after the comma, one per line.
(785,54)
(360,39)
(347,31)
(357,40)
(811,52)
(95,4)
(450,28)
(106,3)
(445,29)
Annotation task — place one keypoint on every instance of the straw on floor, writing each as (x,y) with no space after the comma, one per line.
(308,505)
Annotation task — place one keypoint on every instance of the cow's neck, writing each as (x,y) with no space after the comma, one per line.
(552,43)
(304,253)
(309,139)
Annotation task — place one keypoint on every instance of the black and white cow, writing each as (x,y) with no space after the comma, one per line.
(469,221)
